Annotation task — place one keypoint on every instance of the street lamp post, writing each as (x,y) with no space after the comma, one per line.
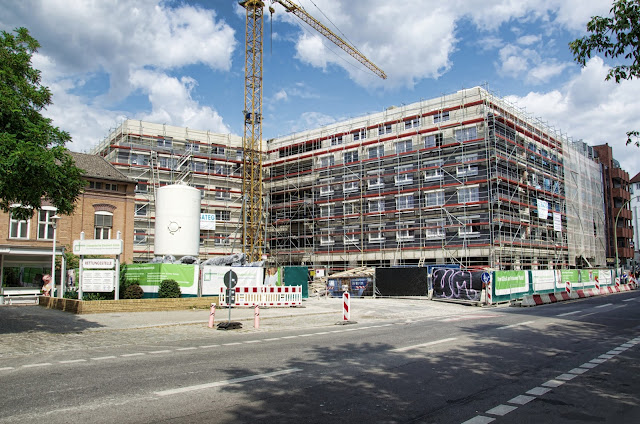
(615,228)
(54,224)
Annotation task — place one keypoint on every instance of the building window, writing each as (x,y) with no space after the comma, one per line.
(221,240)
(403,146)
(141,210)
(434,170)
(434,229)
(95,185)
(350,208)
(384,129)
(169,163)
(351,156)
(142,186)
(198,166)
(45,229)
(376,152)
(326,189)
(467,228)
(222,193)
(404,175)
(404,202)
(434,198)
(350,187)
(376,234)
(336,139)
(326,161)
(326,239)
(465,134)
(468,194)
(140,236)
(191,146)
(411,123)
(139,159)
(103,222)
(165,142)
(404,232)
(217,151)
(361,134)
(19,229)
(376,205)
(327,211)
(433,140)
(222,215)
(441,117)
(349,235)
(112,187)
(376,182)
(466,170)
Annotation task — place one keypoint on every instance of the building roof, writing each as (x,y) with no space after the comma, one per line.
(635,179)
(95,166)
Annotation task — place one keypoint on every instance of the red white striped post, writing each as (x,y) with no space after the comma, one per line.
(597,284)
(568,287)
(256,317)
(346,314)
(488,292)
(212,315)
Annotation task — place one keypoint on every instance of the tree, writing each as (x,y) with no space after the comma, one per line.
(617,36)
(34,164)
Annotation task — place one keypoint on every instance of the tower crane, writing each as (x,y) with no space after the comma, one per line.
(253,213)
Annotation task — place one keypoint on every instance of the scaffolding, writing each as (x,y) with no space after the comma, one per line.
(465,179)
(155,155)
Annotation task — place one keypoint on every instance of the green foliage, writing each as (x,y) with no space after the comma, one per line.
(133,291)
(71,294)
(97,296)
(615,37)
(34,164)
(169,288)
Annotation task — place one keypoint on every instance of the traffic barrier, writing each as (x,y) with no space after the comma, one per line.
(542,299)
(256,317)
(212,315)
(346,314)
(568,287)
(264,296)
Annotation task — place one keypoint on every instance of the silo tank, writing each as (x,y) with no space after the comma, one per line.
(177,229)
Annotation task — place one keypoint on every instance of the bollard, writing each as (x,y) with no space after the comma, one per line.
(346,314)
(212,315)
(488,294)
(597,284)
(256,317)
(568,287)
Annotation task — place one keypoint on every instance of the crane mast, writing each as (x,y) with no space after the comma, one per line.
(253,214)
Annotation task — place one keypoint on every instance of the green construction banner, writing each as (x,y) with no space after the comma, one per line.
(149,276)
(571,275)
(510,282)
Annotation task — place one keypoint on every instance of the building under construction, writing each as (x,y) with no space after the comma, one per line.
(463,179)
(156,155)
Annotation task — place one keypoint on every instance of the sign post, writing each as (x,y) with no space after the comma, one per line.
(230,280)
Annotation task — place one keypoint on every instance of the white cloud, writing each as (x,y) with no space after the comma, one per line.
(592,109)
(527,40)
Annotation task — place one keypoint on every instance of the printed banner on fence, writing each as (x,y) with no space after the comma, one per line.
(213,277)
(510,282)
(543,280)
(571,275)
(149,276)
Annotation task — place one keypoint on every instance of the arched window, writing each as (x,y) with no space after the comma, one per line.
(103,222)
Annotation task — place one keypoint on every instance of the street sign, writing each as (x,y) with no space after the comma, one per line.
(97,247)
(231,296)
(486,277)
(230,279)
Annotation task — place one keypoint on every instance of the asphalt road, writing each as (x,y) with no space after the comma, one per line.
(576,361)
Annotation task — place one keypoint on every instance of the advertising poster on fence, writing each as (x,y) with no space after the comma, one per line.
(149,276)
(571,275)
(213,278)
(543,280)
(510,282)
(605,277)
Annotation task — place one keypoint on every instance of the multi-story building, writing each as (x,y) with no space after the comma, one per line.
(618,216)
(463,179)
(104,208)
(634,188)
(155,155)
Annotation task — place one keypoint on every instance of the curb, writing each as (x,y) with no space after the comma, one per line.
(543,299)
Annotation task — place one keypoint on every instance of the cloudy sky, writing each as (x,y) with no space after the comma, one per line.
(181,63)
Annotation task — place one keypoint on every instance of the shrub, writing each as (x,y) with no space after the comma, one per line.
(169,288)
(71,294)
(133,291)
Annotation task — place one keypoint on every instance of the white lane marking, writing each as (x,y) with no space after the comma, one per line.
(36,365)
(323,332)
(588,365)
(187,348)
(272,339)
(208,346)
(126,355)
(501,410)
(515,325)
(553,383)
(468,317)
(629,300)
(226,382)
(521,400)
(597,361)
(253,341)
(616,351)
(307,335)
(566,377)
(603,306)
(578,371)
(102,358)
(568,313)
(418,346)
(386,325)
(160,351)
(538,391)
(289,337)
(479,419)
(72,361)
(231,344)
(604,356)
(6,368)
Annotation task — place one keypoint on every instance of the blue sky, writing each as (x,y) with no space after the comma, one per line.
(181,63)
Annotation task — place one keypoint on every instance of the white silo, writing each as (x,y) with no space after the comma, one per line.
(177,229)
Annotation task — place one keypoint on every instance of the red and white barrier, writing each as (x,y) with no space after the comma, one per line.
(346,306)
(542,299)
(567,287)
(264,296)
